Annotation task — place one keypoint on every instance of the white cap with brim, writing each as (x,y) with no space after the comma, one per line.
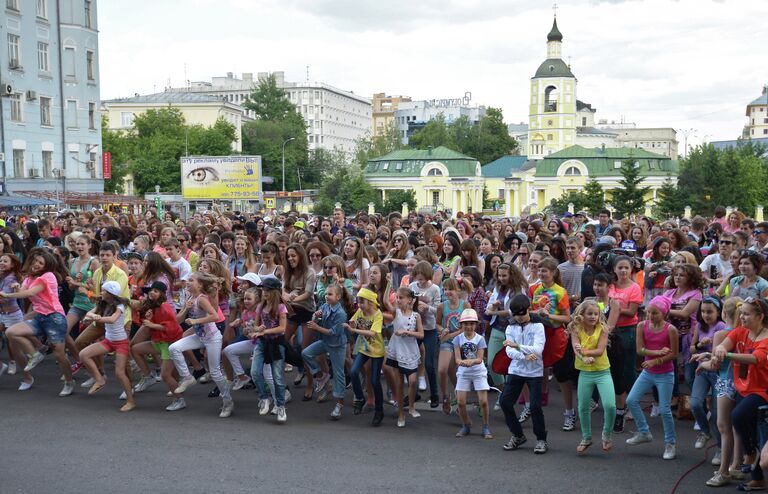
(251,278)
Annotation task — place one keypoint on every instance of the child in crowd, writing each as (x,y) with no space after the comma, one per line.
(469,351)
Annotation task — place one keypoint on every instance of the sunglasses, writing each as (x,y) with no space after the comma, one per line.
(330,266)
(315,255)
(757,232)
(725,242)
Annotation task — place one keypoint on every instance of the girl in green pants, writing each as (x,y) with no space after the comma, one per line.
(589,337)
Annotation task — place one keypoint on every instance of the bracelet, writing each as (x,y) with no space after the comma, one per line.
(728,355)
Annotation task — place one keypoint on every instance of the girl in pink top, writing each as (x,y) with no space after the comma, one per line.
(41,288)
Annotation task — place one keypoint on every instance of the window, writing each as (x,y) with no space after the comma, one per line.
(92,116)
(550,137)
(45,111)
(69,62)
(550,99)
(583,121)
(617,164)
(18,163)
(92,160)
(385,167)
(14,51)
(765,120)
(126,119)
(48,164)
(435,172)
(12,4)
(399,165)
(435,197)
(42,9)
(88,13)
(765,131)
(72,114)
(43,64)
(89,70)
(16,110)
(573,171)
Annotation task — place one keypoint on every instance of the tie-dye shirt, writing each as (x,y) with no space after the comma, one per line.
(554,295)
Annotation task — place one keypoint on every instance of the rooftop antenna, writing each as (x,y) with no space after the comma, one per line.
(307,73)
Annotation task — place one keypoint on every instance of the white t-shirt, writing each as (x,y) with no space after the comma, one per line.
(183,271)
(723,266)
(469,350)
(115,331)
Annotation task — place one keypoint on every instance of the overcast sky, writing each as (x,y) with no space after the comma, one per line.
(660,63)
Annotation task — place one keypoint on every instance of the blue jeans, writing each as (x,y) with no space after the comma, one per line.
(357,387)
(278,374)
(643,384)
(745,422)
(509,396)
(337,355)
(703,386)
(431,343)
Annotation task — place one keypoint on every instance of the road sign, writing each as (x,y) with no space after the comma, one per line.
(270,202)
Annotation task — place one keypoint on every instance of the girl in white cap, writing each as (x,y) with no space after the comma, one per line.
(110,312)
(469,350)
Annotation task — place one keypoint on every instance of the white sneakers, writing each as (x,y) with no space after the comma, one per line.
(263,407)
(281,415)
(226,409)
(186,383)
(68,389)
(177,404)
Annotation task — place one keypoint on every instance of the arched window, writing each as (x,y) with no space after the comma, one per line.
(435,172)
(573,171)
(550,99)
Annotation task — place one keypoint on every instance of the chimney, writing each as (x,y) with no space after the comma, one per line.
(248,76)
(229,75)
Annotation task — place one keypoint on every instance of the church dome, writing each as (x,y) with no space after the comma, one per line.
(555,34)
(553,67)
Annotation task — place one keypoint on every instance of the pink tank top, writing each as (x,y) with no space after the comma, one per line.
(657,341)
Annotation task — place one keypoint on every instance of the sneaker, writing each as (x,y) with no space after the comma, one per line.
(719,480)
(288,396)
(701,440)
(239,384)
(378,416)
(184,384)
(414,413)
(288,368)
(12,368)
(618,423)
(34,359)
(670,451)
(88,382)
(134,367)
(569,423)
(198,373)
(214,393)
(434,401)
(205,379)
(177,404)
(3,369)
(226,409)
(156,375)
(322,395)
(25,386)
(144,384)
(514,443)
(696,426)
(716,458)
(639,438)
(274,409)
(486,432)
(525,414)
(357,406)
(169,394)
(593,406)
(541,447)
(321,382)
(422,383)
(68,389)
(464,431)
(401,422)
(655,410)
(77,366)
(281,415)
(123,396)
(336,413)
(263,407)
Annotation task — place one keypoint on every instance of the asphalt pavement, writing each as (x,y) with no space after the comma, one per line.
(83,444)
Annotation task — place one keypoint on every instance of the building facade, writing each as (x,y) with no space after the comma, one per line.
(384,108)
(442,179)
(414,115)
(757,115)
(335,118)
(50,126)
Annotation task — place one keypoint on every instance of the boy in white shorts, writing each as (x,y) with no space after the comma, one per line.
(469,350)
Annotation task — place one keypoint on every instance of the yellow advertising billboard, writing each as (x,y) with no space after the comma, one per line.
(221,177)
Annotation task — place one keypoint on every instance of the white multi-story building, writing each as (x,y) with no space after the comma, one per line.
(411,116)
(335,118)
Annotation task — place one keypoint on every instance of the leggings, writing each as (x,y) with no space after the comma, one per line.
(588,382)
(628,339)
(212,345)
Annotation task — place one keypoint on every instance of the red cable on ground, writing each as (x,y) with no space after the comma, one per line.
(685,474)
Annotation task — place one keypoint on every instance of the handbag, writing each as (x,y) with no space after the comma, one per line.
(501,361)
(554,348)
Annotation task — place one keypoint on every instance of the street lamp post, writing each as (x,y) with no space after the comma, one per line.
(284,143)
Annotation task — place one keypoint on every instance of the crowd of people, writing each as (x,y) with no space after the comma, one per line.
(617,311)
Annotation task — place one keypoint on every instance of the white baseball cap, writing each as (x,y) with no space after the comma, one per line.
(251,277)
(112,287)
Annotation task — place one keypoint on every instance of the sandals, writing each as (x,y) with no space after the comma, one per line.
(96,387)
(745,487)
(583,446)
(607,442)
(298,379)
(446,406)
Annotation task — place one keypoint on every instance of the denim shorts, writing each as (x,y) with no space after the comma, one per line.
(446,346)
(53,326)
(8,320)
(77,311)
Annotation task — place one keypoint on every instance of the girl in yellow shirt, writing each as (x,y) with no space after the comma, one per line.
(589,337)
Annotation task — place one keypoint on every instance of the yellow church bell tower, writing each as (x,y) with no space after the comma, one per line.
(552,116)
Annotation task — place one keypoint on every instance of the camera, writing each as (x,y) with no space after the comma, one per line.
(710,234)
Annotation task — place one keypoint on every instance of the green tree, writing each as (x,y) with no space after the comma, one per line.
(630,198)
(370,147)
(671,201)
(435,133)
(268,101)
(396,198)
(489,139)
(594,197)
(347,186)
(559,206)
